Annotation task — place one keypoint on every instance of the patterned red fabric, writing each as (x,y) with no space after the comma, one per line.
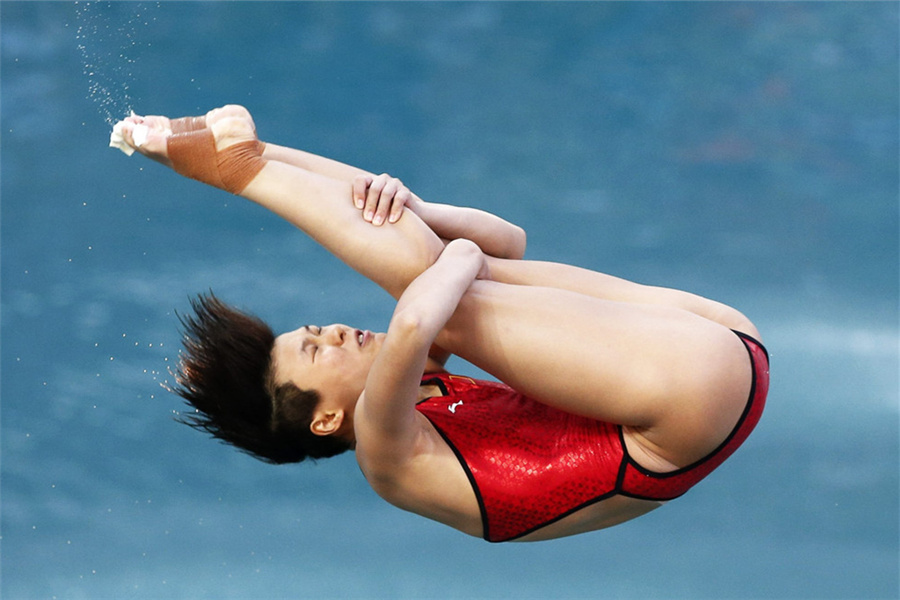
(531,464)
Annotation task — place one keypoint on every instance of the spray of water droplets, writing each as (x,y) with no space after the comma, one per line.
(109,42)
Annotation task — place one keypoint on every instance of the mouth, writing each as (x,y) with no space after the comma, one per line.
(362,337)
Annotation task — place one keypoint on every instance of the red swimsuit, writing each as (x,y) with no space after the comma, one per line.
(531,465)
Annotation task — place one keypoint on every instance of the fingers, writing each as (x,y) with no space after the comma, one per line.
(400,200)
(381,198)
(361,185)
(378,199)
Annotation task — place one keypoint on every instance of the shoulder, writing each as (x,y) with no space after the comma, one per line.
(429,481)
(383,462)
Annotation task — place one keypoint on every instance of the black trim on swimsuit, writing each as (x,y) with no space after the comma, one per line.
(643,470)
(626,457)
(462,461)
(434,381)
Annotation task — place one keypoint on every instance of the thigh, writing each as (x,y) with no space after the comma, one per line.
(608,287)
(679,377)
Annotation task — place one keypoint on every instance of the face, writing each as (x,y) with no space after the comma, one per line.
(333,360)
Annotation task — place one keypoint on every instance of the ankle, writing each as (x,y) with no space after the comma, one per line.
(239,164)
(229,161)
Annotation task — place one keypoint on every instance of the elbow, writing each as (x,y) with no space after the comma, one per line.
(518,243)
(411,326)
(514,248)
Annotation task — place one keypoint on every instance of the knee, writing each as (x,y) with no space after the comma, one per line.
(420,248)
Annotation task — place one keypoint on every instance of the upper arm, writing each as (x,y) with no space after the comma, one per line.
(385,420)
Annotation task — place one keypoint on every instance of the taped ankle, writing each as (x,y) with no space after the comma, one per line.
(239,163)
(193,154)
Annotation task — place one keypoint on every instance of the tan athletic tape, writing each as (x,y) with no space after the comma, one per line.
(239,164)
(186,124)
(193,154)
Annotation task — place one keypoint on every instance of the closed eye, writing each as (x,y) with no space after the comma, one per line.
(307,345)
(309,348)
(315,348)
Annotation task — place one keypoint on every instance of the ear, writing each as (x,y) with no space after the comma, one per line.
(327,422)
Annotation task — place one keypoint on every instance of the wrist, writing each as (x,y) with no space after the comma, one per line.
(418,206)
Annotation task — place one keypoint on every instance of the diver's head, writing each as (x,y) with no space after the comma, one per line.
(333,360)
(227,373)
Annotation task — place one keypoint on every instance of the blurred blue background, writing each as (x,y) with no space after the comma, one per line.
(745,151)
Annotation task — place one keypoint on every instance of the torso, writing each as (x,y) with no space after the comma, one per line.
(434,482)
(451,499)
(435,485)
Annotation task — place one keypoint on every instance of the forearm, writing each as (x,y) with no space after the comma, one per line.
(431,299)
(422,311)
(495,236)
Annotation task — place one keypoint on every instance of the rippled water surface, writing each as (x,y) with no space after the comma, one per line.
(746,151)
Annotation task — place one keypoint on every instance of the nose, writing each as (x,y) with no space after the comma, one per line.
(336,334)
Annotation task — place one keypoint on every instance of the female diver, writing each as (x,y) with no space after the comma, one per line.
(615,396)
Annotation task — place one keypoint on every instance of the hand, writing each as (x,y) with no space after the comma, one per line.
(472,254)
(380,198)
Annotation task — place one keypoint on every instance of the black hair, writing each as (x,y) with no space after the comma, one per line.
(226,373)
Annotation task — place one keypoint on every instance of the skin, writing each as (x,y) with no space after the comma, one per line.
(663,363)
